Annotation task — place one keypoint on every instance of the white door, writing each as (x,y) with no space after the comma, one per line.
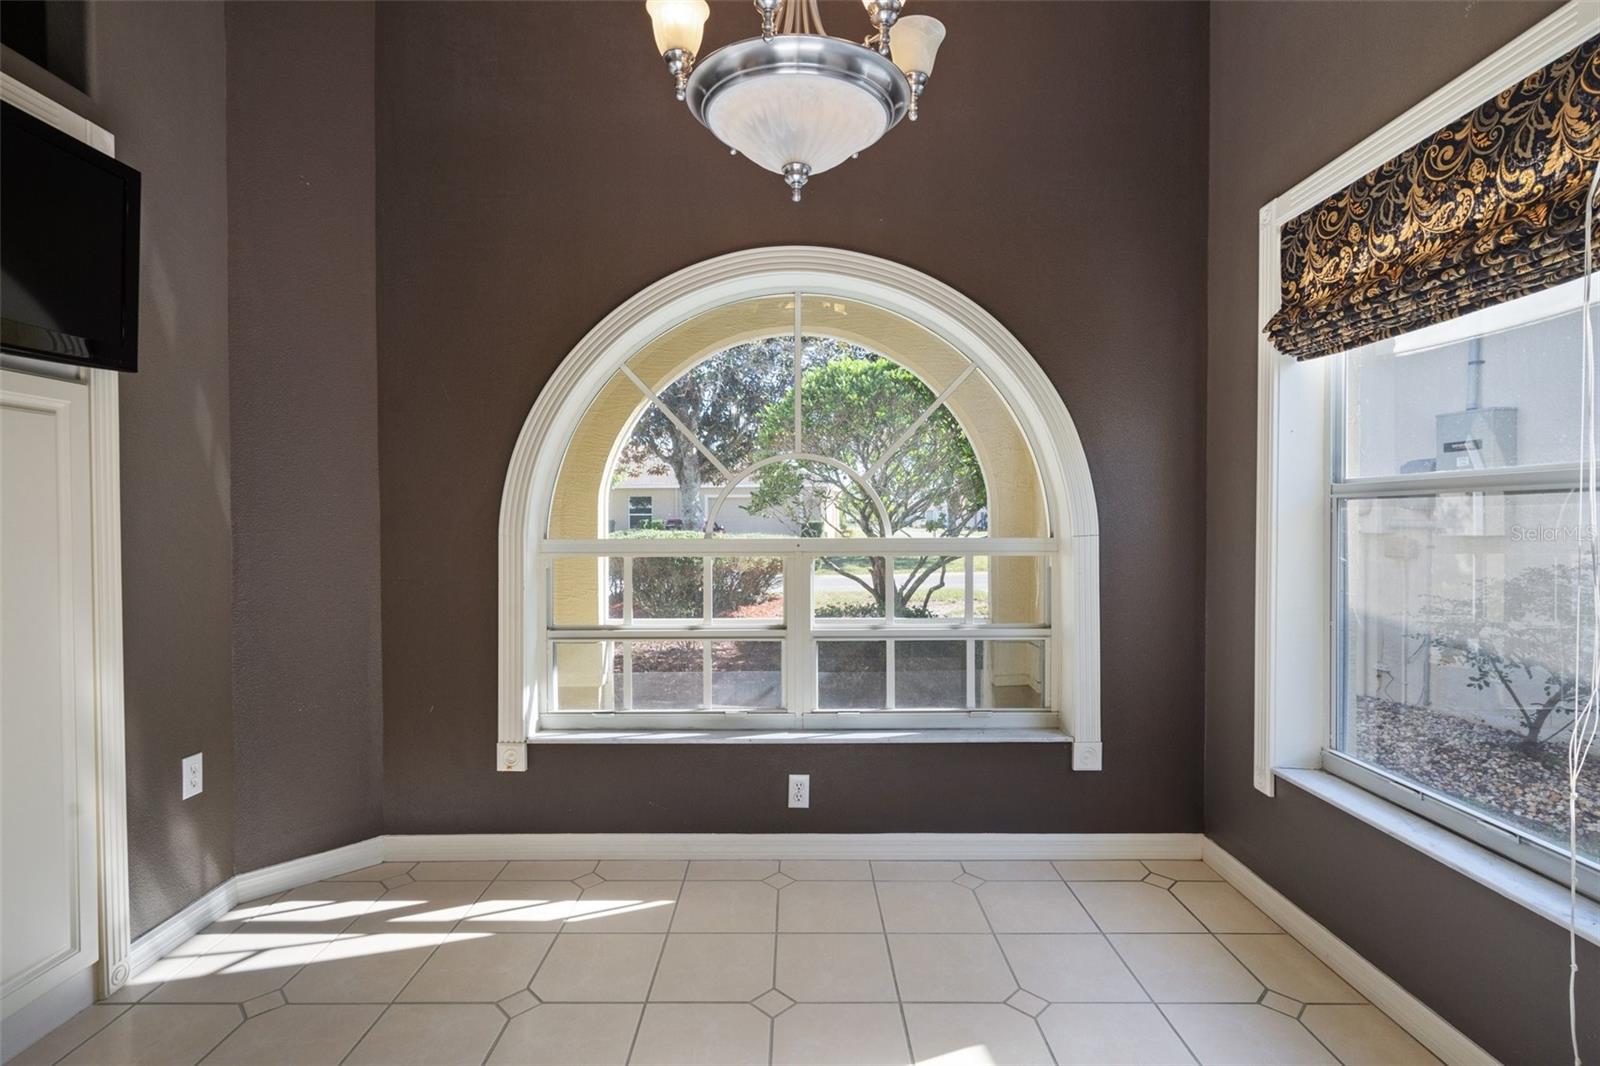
(48,879)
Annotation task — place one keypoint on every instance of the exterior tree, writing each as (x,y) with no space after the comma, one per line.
(1525,647)
(721,401)
(855,407)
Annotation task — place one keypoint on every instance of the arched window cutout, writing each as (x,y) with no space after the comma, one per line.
(799,489)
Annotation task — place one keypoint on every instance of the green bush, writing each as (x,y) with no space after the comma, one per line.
(669,586)
(858,609)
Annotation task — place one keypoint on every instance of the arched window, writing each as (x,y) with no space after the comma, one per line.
(793,490)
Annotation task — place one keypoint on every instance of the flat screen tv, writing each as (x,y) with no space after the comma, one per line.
(69,248)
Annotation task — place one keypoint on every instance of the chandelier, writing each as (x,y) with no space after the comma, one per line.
(794,100)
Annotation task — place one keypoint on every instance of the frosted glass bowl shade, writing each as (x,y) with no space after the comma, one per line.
(798,98)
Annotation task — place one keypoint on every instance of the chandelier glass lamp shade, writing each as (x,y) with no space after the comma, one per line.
(795,100)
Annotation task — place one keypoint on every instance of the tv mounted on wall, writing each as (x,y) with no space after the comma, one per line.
(69,248)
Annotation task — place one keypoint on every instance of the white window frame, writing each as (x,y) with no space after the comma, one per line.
(1074,632)
(1295,616)
(800,632)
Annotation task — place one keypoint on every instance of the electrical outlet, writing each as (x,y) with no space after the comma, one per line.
(193,775)
(799,790)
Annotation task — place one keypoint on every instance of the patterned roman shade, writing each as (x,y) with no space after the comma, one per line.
(1488,209)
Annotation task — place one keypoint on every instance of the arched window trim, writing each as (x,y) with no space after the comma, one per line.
(1038,407)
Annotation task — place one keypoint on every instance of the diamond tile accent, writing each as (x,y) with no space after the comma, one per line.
(1027,1003)
(397,881)
(1160,882)
(773,1002)
(588,880)
(968,881)
(779,880)
(518,1002)
(262,1004)
(1283,1004)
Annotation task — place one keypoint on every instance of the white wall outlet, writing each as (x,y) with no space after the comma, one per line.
(799,790)
(193,775)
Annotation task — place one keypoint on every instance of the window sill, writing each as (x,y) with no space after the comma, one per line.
(800,736)
(1522,886)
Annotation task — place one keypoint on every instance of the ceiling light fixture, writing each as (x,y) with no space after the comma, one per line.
(794,100)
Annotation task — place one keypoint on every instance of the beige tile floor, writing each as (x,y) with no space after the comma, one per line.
(806,961)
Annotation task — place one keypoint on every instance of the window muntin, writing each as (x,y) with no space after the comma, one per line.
(888,482)
(1455,576)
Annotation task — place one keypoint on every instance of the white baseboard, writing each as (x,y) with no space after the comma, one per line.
(308,868)
(416,848)
(160,941)
(1409,1012)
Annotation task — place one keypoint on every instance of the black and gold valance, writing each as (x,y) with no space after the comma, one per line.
(1488,209)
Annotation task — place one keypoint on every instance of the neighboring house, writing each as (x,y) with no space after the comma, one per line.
(645,498)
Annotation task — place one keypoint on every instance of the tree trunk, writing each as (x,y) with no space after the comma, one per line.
(1531,741)
(690,505)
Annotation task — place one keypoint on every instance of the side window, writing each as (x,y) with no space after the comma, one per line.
(1458,560)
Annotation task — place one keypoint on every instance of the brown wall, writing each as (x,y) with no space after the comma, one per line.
(1292,86)
(534,171)
(302,269)
(156,81)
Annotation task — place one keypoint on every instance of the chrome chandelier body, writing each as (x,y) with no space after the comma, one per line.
(796,101)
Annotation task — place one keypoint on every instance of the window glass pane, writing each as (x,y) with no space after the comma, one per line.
(1010,674)
(851,674)
(747,674)
(615,570)
(797,498)
(660,481)
(668,586)
(931,482)
(1457,643)
(747,587)
(1490,389)
(718,371)
(933,586)
(930,673)
(667,675)
(849,586)
(586,675)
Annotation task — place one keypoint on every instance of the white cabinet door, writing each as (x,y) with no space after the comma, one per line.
(48,879)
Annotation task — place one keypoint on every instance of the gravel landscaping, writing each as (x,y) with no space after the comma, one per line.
(1481,765)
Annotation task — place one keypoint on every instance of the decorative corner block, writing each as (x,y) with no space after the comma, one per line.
(511,758)
(1086,756)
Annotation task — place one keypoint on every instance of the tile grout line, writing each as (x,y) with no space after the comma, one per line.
(660,953)
(70,1051)
(772,1019)
(894,971)
(1136,979)
(402,990)
(1265,988)
(224,1038)
(1007,958)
